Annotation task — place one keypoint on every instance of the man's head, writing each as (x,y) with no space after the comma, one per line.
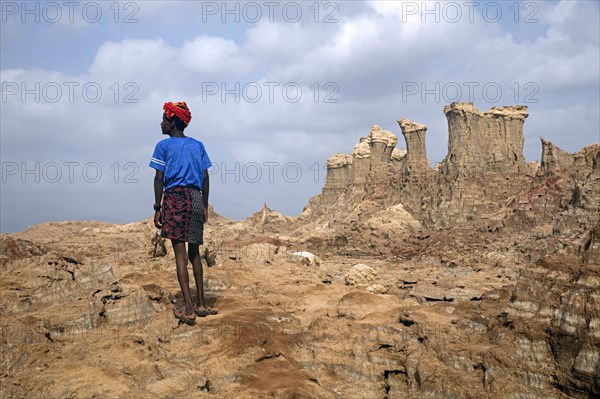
(176,115)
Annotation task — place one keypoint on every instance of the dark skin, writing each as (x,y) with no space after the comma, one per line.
(193,252)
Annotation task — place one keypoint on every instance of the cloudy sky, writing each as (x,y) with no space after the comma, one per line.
(275,88)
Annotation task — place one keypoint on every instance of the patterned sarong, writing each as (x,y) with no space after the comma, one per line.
(183,215)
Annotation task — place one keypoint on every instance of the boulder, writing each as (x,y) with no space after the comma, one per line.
(305,257)
(361,275)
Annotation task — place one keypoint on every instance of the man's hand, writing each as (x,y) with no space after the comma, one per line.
(157,220)
(205,215)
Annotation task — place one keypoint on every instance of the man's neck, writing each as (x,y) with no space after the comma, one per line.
(177,133)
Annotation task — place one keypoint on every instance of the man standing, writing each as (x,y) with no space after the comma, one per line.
(181,164)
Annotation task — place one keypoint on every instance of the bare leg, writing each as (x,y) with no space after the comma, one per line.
(195,260)
(182,275)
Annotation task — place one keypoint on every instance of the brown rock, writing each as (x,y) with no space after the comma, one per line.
(553,158)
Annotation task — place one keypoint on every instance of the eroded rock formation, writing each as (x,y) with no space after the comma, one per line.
(554,158)
(416,153)
(483,177)
(559,299)
(485,141)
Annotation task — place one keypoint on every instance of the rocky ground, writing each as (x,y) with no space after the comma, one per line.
(87,312)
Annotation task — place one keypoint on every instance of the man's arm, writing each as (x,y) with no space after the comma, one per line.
(205,190)
(158,193)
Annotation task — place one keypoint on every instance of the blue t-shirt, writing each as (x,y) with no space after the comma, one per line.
(182,159)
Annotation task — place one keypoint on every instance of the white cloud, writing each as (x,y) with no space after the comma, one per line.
(132,58)
(213,56)
(562,12)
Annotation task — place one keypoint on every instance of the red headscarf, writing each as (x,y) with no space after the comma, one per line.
(179,110)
